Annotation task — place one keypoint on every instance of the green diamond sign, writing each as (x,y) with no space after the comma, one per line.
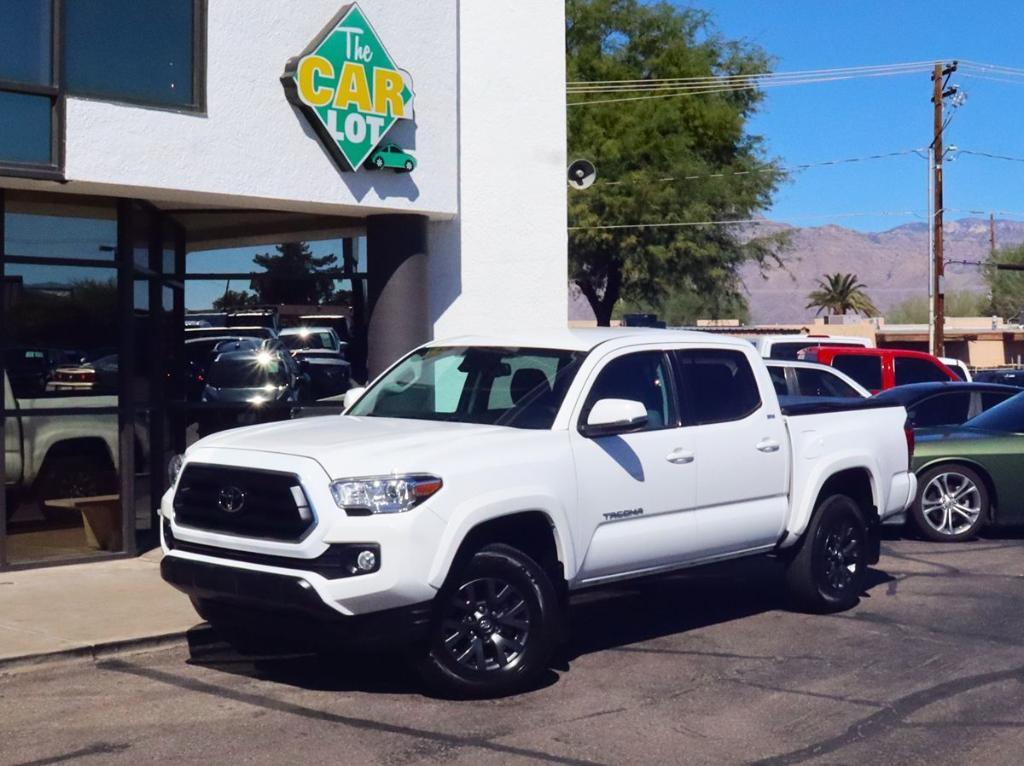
(349,88)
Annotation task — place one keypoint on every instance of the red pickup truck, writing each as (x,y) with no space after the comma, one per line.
(878,369)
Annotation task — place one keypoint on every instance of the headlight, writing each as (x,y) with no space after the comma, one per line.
(384,494)
(174,468)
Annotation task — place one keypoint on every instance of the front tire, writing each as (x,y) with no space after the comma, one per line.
(952,504)
(494,628)
(828,572)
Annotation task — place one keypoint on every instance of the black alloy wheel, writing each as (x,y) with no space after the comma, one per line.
(494,627)
(486,625)
(828,572)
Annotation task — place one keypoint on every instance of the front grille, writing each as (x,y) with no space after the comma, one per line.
(242,501)
(339,560)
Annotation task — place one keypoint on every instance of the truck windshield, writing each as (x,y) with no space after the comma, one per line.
(517,387)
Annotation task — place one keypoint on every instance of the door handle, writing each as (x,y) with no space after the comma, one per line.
(680,456)
(768,445)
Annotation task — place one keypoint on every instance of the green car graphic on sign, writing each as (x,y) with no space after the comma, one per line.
(392,156)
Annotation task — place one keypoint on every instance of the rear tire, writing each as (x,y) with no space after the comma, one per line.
(952,504)
(494,628)
(828,573)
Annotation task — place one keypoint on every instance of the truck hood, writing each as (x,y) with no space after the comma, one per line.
(359,446)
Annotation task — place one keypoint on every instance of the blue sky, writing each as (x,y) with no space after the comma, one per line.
(817,122)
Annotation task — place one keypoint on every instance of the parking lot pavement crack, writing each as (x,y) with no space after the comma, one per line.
(893,716)
(804,693)
(956,636)
(719,655)
(100,748)
(379,727)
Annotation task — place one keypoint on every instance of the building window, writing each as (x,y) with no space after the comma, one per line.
(136,51)
(30,108)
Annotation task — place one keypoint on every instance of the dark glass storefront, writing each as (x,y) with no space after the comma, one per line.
(128,331)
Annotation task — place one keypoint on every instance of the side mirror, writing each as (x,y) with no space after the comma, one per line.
(615,416)
(352,396)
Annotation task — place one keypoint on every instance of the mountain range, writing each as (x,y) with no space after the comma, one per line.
(893,264)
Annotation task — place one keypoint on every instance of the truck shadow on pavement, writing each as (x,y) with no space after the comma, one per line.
(624,618)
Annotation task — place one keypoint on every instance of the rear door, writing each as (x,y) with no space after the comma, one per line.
(742,453)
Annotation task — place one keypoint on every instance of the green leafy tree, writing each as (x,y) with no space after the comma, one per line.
(685,307)
(915,310)
(840,294)
(635,144)
(294,275)
(235,299)
(1005,286)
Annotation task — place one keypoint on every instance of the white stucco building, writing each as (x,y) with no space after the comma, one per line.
(159,148)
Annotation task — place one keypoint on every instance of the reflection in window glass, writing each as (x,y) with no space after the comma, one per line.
(62,330)
(640,377)
(25,128)
(66,502)
(288,259)
(25,41)
(59,227)
(132,50)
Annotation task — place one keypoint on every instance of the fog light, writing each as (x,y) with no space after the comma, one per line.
(366,561)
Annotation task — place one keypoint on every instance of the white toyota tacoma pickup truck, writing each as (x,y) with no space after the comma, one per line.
(476,483)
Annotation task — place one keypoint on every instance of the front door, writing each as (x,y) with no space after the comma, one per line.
(636,490)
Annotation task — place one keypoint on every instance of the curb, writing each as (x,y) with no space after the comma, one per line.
(198,636)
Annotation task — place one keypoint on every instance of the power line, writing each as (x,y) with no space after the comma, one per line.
(732,222)
(785,169)
(647,83)
(712,89)
(990,156)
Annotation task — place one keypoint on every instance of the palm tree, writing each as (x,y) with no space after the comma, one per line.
(840,293)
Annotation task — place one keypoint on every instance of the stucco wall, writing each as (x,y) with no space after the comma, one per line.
(504,262)
(253,143)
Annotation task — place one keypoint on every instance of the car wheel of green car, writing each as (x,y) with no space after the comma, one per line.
(408,166)
(952,503)
(379,163)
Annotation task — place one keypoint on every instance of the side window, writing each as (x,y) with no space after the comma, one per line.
(779,380)
(823,383)
(716,385)
(866,370)
(991,399)
(943,410)
(909,370)
(641,377)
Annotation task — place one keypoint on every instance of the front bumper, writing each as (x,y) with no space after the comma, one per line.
(286,610)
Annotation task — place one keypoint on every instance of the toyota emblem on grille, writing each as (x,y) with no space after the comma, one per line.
(231,499)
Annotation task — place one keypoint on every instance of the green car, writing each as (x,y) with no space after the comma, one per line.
(971,476)
(392,156)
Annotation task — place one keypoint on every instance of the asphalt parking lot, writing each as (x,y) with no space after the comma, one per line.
(702,668)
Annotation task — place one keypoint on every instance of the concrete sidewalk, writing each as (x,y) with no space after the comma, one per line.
(79,610)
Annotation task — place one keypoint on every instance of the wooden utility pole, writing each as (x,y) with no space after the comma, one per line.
(992,233)
(937,339)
